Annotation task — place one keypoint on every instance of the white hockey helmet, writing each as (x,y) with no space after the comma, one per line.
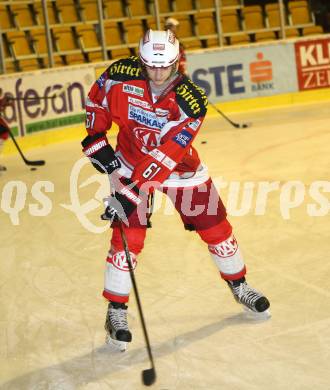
(159,49)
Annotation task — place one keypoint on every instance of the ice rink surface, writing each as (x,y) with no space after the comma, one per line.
(52,260)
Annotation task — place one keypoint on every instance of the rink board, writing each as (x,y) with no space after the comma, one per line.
(240,79)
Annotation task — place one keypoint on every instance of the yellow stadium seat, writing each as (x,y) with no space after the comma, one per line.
(137,7)
(213,42)
(240,39)
(23,14)
(151,23)
(115,9)
(184,5)
(5,20)
(273,14)
(134,30)
(68,13)
(19,43)
(64,39)
(52,14)
(23,54)
(10,67)
(58,61)
(112,33)
(7,54)
(253,18)
(312,30)
(27,65)
(74,59)
(164,6)
(185,28)
(229,21)
(299,12)
(192,44)
(291,32)
(89,10)
(39,40)
(67,59)
(230,3)
(95,56)
(10,63)
(87,36)
(263,36)
(120,53)
(206,23)
(206,4)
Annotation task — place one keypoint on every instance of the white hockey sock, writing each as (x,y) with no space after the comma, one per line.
(228,259)
(117,280)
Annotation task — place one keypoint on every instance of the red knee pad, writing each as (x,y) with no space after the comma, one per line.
(217,233)
(135,239)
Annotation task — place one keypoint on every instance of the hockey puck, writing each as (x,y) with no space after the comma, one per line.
(33,169)
(204,142)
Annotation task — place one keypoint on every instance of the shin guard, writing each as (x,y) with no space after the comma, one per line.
(224,250)
(228,259)
(117,281)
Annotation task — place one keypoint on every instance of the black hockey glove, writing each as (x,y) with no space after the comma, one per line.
(123,202)
(101,154)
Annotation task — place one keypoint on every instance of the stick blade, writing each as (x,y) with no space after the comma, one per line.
(36,162)
(148,376)
(245,125)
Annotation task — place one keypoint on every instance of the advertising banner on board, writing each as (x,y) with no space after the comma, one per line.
(46,99)
(245,72)
(313,63)
(52,98)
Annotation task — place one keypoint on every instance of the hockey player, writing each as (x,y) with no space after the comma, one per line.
(4,130)
(159,113)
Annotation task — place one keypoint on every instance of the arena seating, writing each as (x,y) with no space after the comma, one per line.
(76,36)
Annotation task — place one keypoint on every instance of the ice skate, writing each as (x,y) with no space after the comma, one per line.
(116,326)
(253,301)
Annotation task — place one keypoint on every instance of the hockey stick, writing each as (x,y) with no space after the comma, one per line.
(148,375)
(237,125)
(27,162)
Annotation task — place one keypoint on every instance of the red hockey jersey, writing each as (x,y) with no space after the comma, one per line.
(154,138)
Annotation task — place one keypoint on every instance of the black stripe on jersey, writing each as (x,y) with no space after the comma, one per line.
(191,98)
(125,69)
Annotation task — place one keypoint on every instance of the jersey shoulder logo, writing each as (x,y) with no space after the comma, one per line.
(125,69)
(183,138)
(191,98)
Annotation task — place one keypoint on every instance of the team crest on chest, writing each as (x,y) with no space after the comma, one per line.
(147,138)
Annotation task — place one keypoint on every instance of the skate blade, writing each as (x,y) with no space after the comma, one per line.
(263,316)
(119,345)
